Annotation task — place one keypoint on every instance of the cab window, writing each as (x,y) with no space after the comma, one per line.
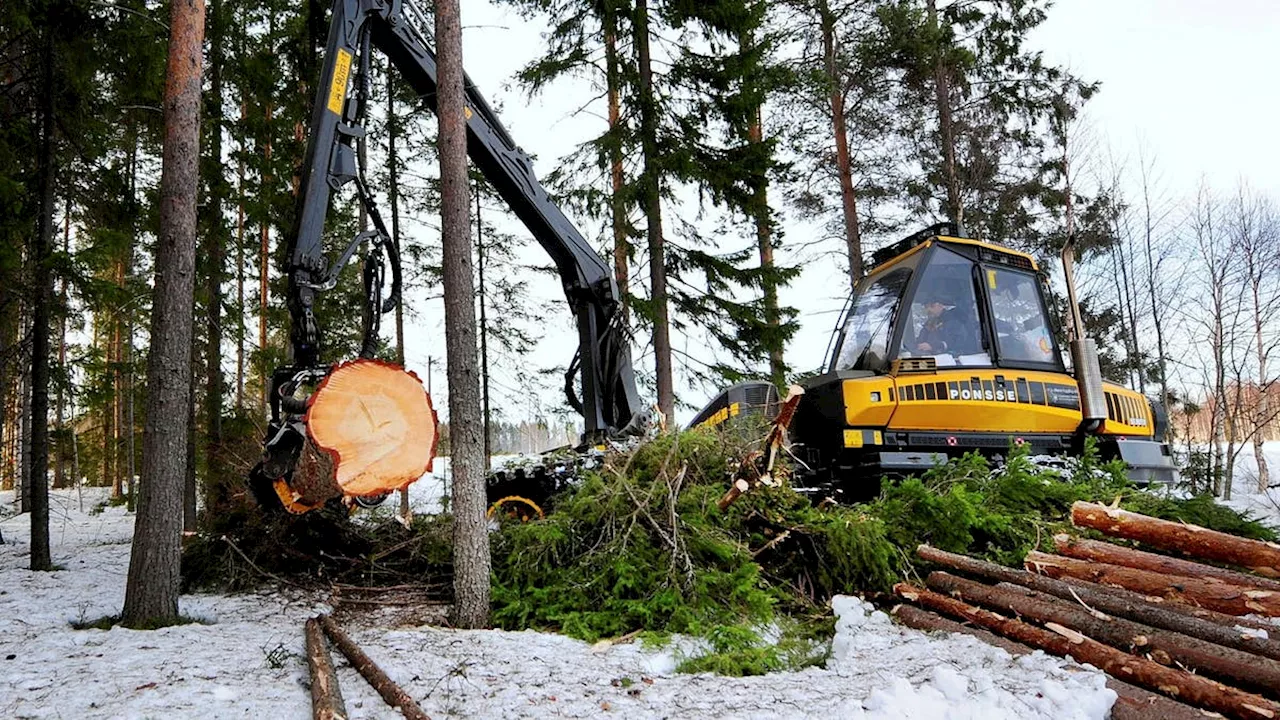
(1022,330)
(943,323)
(864,341)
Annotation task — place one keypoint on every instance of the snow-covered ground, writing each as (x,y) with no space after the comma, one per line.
(248,660)
(1244,488)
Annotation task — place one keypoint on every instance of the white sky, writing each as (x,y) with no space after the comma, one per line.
(1190,81)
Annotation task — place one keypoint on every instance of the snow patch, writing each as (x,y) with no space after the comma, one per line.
(249,662)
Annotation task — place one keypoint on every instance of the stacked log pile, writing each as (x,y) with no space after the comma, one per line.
(1159,623)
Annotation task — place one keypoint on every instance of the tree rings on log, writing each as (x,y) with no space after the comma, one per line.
(375,422)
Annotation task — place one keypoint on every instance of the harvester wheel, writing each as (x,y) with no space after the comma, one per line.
(516,508)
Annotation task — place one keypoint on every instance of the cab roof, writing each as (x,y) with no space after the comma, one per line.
(947,233)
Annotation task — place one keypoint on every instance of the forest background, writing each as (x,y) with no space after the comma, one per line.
(1140,123)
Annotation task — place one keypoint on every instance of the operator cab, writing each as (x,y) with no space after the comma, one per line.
(961,302)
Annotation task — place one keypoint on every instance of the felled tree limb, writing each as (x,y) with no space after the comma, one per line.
(757,468)
(1132,703)
(1198,622)
(1178,684)
(1163,646)
(326,695)
(1085,549)
(390,692)
(1205,592)
(1192,540)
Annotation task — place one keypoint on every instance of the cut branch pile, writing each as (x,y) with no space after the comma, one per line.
(1172,625)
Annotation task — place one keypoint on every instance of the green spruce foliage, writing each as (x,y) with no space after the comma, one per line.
(640,544)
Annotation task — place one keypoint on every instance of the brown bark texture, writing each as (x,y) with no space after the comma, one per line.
(151,593)
(1191,540)
(840,133)
(1203,592)
(326,695)
(1132,702)
(466,425)
(1216,627)
(392,693)
(1177,684)
(41,288)
(617,205)
(1163,646)
(651,189)
(1085,549)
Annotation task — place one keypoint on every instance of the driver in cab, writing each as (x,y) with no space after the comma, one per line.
(942,332)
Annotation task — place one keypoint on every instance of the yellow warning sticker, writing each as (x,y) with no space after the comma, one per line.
(466,110)
(338,90)
(991,279)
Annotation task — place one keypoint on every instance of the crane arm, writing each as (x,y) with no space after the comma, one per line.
(609,401)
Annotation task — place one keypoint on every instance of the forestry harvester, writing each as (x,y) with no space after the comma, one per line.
(946,345)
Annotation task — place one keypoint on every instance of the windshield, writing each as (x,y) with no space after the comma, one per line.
(864,342)
(1021,329)
(944,321)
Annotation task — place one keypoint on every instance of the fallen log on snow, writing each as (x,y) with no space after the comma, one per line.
(1163,646)
(1178,684)
(1204,592)
(1132,702)
(326,696)
(390,692)
(1192,540)
(1221,628)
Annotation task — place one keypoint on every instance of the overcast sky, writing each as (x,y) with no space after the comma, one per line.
(1191,81)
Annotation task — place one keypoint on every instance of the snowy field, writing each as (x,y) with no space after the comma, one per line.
(1244,489)
(248,662)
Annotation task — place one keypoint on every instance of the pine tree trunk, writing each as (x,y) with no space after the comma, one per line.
(24,458)
(946,127)
(59,451)
(844,162)
(215,249)
(470,530)
(764,243)
(617,206)
(264,264)
(189,469)
(240,308)
(393,196)
(41,291)
(151,593)
(484,335)
(651,190)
